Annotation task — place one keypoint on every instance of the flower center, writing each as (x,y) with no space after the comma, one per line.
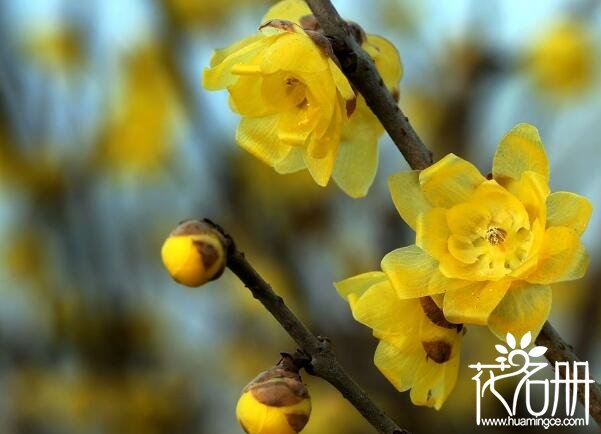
(495,236)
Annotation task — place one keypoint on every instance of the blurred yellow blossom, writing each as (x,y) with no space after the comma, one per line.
(298,109)
(492,246)
(418,349)
(562,61)
(138,137)
(57,48)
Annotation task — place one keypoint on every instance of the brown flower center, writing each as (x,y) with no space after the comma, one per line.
(495,236)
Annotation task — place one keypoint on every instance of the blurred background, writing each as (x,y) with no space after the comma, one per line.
(107,141)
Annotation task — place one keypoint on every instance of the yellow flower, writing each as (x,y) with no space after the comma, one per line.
(194,253)
(298,109)
(418,349)
(492,246)
(562,62)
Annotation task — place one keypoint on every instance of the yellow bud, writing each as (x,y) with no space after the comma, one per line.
(194,253)
(276,402)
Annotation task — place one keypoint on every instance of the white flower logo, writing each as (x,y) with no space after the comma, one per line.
(536,351)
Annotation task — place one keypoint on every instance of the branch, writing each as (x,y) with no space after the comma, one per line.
(560,351)
(362,73)
(321,361)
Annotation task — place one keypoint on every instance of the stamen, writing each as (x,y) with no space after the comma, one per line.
(495,236)
(291,81)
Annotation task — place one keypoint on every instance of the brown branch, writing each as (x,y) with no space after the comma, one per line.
(560,351)
(321,360)
(362,73)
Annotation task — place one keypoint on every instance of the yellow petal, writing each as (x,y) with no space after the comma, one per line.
(562,257)
(387,59)
(520,150)
(259,137)
(410,270)
(292,162)
(352,288)
(291,10)
(294,52)
(283,90)
(435,383)
(342,83)
(295,125)
(219,75)
(449,181)
(568,209)
(400,367)
(320,168)
(532,190)
(468,219)
(357,159)
(524,309)
(473,304)
(320,146)
(379,307)
(407,196)
(247,99)
(432,232)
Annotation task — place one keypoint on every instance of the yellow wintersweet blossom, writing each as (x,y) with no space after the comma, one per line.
(139,133)
(492,244)
(298,109)
(418,349)
(562,61)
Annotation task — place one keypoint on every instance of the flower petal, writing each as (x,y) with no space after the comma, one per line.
(291,10)
(568,209)
(259,137)
(293,162)
(354,287)
(387,59)
(399,366)
(407,196)
(524,308)
(410,271)
(521,149)
(219,75)
(562,257)
(532,190)
(357,163)
(435,383)
(474,303)
(432,232)
(294,52)
(342,83)
(450,181)
(379,308)
(247,98)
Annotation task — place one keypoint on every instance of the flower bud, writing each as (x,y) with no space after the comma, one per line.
(194,253)
(275,402)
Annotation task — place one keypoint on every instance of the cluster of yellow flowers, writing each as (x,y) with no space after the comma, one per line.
(298,109)
(485,252)
(487,247)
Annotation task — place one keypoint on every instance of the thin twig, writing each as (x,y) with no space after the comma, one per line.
(320,359)
(559,351)
(362,73)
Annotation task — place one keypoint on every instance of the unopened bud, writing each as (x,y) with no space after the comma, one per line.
(194,253)
(275,402)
